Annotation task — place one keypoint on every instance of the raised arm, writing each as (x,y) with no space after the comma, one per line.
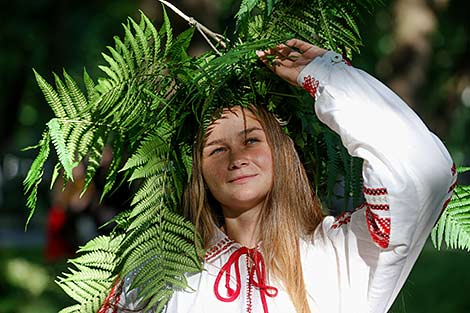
(408,174)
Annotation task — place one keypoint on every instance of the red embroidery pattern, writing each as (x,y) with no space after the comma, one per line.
(311,84)
(378,215)
(249,293)
(222,246)
(346,60)
(342,219)
(451,190)
(257,268)
(384,207)
(374,191)
(379,228)
(452,187)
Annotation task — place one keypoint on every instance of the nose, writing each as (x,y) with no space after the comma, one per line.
(237,160)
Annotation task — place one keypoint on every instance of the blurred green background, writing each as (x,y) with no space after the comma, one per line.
(421,49)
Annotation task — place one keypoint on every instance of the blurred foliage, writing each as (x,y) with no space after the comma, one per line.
(27,283)
(443,99)
(55,34)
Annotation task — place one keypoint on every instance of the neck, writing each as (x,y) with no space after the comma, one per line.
(243,227)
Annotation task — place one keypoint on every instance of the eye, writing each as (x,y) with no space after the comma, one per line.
(251,141)
(217,150)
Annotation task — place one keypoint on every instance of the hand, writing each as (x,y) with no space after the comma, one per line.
(288,63)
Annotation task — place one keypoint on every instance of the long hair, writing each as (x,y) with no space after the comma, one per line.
(290,213)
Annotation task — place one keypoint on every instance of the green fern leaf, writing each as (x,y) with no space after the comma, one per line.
(71,309)
(60,146)
(160,300)
(85,273)
(115,165)
(55,174)
(93,304)
(142,40)
(126,54)
(167,31)
(35,174)
(453,227)
(93,163)
(52,97)
(71,289)
(112,75)
(65,97)
(117,63)
(98,259)
(153,35)
(78,98)
(105,243)
(90,87)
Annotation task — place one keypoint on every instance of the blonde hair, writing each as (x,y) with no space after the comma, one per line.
(290,213)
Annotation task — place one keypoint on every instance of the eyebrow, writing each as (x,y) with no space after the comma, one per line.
(244,132)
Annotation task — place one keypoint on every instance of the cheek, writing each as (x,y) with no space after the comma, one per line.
(265,160)
(210,172)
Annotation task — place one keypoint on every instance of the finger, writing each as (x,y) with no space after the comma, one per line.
(268,63)
(283,50)
(294,55)
(285,62)
(299,44)
(261,54)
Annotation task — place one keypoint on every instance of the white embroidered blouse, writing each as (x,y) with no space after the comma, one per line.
(359,261)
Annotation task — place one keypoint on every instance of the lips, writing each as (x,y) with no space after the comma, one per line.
(241,178)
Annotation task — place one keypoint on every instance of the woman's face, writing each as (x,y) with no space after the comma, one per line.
(237,163)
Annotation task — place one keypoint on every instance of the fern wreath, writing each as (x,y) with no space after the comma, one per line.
(149,104)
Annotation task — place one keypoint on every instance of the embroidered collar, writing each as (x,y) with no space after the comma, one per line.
(221,244)
(256,273)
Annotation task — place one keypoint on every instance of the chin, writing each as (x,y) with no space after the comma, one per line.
(246,201)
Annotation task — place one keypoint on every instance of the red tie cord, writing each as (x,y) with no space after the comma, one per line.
(257,268)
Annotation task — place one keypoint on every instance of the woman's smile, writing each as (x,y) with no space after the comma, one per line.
(237,161)
(242,179)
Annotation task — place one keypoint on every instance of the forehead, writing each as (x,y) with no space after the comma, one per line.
(232,121)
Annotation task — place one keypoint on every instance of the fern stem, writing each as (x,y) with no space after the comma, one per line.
(90,123)
(220,39)
(282,94)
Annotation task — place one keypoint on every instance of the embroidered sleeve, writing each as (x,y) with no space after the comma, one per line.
(407,172)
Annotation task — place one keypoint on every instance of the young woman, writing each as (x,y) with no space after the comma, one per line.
(268,247)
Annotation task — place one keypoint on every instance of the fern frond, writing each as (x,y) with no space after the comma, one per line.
(35,174)
(153,146)
(99,259)
(115,165)
(71,309)
(79,100)
(104,243)
(90,87)
(93,162)
(166,31)
(93,304)
(52,97)
(85,273)
(58,140)
(122,50)
(142,40)
(453,227)
(65,98)
(160,299)
(75,293)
